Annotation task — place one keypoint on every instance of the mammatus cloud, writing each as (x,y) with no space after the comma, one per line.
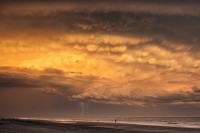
(122,55)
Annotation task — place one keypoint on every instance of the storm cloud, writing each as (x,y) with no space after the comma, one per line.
(124,53)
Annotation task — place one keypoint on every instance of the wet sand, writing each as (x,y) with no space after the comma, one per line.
(38,126)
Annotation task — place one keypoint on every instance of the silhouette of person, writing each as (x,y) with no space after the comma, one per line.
(115,122)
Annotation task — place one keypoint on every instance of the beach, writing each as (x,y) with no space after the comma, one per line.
(44,126)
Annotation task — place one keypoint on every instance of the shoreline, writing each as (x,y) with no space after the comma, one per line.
(16,125)
(78,120)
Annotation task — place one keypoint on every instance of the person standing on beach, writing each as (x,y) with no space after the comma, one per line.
(115,122)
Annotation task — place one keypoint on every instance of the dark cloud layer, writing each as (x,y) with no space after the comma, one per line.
(46,82)
(180,7)
(53,85)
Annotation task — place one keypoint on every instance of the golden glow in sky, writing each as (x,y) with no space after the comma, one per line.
(122,56)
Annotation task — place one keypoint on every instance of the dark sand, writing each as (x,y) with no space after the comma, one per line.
(36,126)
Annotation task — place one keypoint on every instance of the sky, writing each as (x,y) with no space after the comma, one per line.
(122,57)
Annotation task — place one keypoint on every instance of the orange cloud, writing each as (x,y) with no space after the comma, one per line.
(125,58)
